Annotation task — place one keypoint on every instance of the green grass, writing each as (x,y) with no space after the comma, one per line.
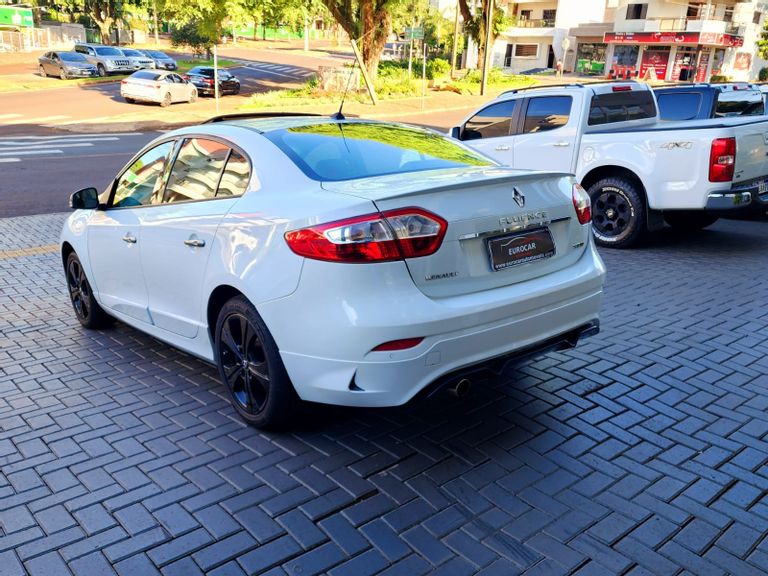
(470,84)
(37,83)
(187,65)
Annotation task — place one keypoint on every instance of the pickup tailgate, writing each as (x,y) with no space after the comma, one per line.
(751,151)
(504,226)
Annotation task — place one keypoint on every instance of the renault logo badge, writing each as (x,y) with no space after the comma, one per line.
(518,197)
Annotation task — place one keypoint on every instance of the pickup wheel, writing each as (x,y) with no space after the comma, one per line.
(689,220)
(618,212)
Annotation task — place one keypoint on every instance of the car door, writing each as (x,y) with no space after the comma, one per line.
(489,131)
(178,88)
(114,234)
(178,236)
(546,134)
(54,64)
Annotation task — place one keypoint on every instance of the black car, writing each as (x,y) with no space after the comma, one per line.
(202,78)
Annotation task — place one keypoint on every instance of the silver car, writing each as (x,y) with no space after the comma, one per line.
(65,65)
(137,59)
(107,59)
(165,88)
(161,59)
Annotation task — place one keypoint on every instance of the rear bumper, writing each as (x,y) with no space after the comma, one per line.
(739,198)
(328,352)
(140,97)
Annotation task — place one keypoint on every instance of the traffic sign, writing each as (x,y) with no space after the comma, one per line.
(414,33)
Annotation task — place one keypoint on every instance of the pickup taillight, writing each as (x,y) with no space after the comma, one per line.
(722,160)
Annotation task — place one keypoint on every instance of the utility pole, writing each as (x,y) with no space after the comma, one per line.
(486,55)
(455,50)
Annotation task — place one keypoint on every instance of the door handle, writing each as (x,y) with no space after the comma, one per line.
(194,242)
(502,148)
(561,144)
(129,238)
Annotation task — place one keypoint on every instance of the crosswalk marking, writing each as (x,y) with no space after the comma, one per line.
(41,146)
(31,152)
(9,160)
(36,121)
(53,142)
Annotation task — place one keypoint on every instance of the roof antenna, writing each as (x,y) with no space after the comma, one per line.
(339,115)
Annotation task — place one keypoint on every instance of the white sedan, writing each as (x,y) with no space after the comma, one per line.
(337,261)
(164,88)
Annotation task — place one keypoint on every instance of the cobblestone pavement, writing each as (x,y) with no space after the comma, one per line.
(641,452)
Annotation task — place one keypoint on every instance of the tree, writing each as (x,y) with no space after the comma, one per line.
(762,43)
(475,24)
(367,21)
(201,22)
(103,13)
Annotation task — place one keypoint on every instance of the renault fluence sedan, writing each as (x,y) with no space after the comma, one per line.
(337,261)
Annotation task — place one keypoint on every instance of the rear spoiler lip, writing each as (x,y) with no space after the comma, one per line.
(504,174)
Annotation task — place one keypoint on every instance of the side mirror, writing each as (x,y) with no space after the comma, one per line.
(85,199)
(456,132)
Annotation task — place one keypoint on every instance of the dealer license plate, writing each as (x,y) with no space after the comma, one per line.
(520,248)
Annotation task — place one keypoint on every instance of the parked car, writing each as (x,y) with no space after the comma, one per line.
(165,88)
(763,87)
(107,59)
(639,172)
(138,59)
(161,60)
(65,65)
(703,101)
(248,242)
(202,78)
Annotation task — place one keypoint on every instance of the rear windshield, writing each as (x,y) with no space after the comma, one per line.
(107,51)
(334,152)
(739,103)
(129,52)
(72,57)
(679,105)
(146,75)
(202,71)
(621,107)
(156,54)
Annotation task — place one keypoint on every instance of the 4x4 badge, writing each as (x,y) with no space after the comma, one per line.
(518,197)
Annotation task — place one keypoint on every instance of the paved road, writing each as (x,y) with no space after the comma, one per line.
(642,452)
(38,173)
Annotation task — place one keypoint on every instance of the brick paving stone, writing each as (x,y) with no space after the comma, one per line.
(640,452)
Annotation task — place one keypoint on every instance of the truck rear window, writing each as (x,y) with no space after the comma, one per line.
(739,104)
(621,107)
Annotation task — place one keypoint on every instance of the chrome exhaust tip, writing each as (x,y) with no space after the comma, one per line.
(460,388)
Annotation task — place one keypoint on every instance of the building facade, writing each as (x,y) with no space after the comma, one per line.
(676,40)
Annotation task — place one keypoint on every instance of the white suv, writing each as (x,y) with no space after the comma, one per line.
(107,59)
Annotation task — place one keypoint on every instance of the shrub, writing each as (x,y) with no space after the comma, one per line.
(715,78)
(437,67)
(763,74)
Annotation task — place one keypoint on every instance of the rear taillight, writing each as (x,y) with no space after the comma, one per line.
(582,204)
(208,80)
(185,77)
(378,237)
(722,160)
(123,81)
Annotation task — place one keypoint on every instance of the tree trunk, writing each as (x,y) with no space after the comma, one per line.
(104,27)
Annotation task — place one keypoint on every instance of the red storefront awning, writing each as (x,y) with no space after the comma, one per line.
(707,38)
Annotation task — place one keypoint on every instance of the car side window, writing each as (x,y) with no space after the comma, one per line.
(490,122)
(142,183)
(236,175)
(547,113)
(196,172)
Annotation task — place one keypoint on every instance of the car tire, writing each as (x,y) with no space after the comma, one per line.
(42,72)
(166,101)
(250,367)
(102,70)
(236,91)
(129,100)
(689,220)
(193,96)
(62,74)
(87,310)
(618,212)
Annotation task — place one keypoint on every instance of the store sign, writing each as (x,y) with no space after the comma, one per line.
(711,38)
(701,71)
(13,16)
(654,64)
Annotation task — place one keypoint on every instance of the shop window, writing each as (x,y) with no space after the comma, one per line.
(756,17)
(525,14)
(637,11)
(549,17)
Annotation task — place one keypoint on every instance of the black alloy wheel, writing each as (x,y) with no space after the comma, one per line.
(618,212)
(251,368)
(87,310)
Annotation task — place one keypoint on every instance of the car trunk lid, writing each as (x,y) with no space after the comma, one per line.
(504,226)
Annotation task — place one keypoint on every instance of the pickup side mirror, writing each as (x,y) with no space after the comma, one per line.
(85,199)
(456,132)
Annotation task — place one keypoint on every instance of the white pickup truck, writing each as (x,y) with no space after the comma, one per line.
(639,172)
